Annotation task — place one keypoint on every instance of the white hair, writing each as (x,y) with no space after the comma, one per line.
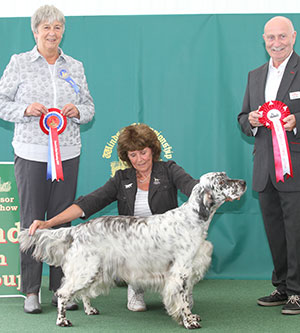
(47,14)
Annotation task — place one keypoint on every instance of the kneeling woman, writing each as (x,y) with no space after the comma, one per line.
(147,187)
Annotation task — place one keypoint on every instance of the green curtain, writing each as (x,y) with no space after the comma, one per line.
(185,76)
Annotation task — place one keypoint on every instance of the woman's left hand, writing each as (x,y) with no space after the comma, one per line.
(70,111)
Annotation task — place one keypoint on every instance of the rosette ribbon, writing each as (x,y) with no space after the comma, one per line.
(65,76)
(273,113)
(53,123)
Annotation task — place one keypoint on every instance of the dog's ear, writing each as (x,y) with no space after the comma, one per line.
(206,203)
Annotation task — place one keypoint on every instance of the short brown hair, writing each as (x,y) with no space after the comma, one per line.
(137,137)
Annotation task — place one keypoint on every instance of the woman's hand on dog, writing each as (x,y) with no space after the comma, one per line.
(69,214)
(37,224)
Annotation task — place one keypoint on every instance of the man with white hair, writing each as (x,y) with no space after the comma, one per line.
(277,80)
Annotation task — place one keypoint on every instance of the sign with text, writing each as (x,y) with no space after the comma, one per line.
(9,231)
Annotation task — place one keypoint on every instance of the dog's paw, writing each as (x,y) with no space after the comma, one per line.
(192,321)
(195,317)
(92,311)
(192,325)
(63,323)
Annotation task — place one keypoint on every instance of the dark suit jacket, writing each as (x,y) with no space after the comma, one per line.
(263,166)
(166,179)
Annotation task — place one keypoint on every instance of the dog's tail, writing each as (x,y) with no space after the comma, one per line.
(48,245)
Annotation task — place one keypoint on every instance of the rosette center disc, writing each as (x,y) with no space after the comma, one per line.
(53,122)
(53,119)
(274,114)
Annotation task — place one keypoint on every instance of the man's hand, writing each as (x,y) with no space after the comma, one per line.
(254,118)
(290,122)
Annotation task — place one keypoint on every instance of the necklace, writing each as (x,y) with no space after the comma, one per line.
(143,180)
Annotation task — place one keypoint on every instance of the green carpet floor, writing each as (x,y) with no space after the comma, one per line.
(224,306)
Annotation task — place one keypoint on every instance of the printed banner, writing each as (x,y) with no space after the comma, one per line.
(9,231)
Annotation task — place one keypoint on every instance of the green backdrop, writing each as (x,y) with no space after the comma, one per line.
(185,76)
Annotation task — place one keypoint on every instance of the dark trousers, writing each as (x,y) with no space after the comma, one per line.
(42,199)
(281,215)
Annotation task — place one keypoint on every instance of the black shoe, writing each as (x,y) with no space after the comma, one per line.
(292,306)
(71,306)
(276,298)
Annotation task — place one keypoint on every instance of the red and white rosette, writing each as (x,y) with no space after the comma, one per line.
(273,113)
(53,123)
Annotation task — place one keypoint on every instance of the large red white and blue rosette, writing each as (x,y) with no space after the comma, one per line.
(53,123)
(273,113)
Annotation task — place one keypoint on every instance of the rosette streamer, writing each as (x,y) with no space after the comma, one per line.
(273,113)
(53,124)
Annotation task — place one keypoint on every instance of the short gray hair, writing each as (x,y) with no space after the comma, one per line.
(47,14)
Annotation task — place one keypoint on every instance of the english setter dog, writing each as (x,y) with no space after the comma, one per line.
(167,253)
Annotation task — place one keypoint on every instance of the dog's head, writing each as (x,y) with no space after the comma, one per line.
(222,187)
(213,190)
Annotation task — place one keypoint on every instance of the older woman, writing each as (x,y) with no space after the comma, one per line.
(32,83)
(147,187)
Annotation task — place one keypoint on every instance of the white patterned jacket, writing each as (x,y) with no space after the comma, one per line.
(28,78)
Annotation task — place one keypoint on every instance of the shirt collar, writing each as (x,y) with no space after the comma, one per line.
(35,54)
(282,66)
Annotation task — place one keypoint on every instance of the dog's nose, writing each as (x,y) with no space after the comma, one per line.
(243,183)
